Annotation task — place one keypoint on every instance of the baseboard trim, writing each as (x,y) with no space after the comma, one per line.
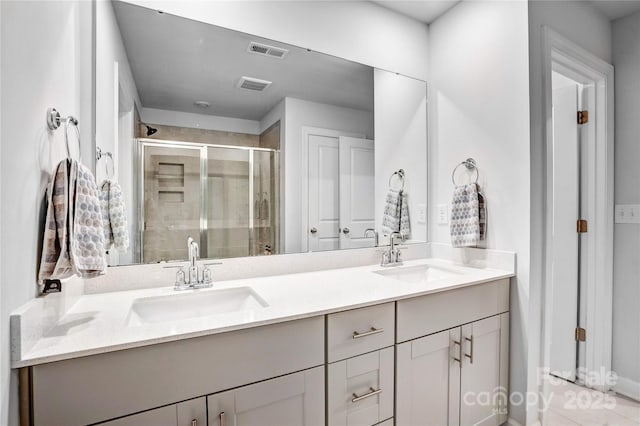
(628,387)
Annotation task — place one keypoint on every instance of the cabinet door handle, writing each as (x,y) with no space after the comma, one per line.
(358,335)
(194,422)
(456,342)
(221,417)
(470,355)
(371,392)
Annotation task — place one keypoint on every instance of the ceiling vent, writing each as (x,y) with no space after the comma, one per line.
(266,50)
(255,84)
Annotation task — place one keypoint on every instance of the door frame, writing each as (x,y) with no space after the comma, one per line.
(304,175)
(566,57)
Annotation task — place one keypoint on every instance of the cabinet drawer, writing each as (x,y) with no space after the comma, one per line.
(360,389)
(359,331)
(432,313)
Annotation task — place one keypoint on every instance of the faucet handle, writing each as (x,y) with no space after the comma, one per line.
(207,278)
(180,277)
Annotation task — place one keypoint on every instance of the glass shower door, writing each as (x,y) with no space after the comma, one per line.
(171,208)
(228,202)
(266,217)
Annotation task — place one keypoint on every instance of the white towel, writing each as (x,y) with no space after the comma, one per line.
(116,232)
(465,216)
(396,214)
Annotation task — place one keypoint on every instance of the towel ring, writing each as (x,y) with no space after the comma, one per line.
(400,174)
(107,156)
(54,120)
(71,120)
(470,164)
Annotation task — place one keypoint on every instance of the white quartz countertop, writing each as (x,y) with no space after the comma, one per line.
(99,323)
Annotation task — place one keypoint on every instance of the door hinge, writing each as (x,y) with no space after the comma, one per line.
(582,226)
(581,334)
(583,117)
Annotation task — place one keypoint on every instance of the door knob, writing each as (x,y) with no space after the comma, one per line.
(313,230)
(345,230)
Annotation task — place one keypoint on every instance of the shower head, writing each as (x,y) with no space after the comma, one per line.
(151,130)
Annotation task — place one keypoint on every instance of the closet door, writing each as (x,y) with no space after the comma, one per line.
(324,193)
(357,191)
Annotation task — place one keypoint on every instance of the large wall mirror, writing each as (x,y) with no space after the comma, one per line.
(250,146)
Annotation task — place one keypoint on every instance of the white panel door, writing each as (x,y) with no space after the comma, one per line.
(292,400)
(564,261)
(428,380)
(480,384)
(357,191)
(369,380)
(324,193)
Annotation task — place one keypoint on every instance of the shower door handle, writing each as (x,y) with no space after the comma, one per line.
(313,230)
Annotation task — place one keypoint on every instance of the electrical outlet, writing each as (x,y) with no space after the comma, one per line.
(627,213)
(422,214)
(443,214)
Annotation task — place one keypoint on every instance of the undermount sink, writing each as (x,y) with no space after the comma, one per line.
(416,274)
(195,304)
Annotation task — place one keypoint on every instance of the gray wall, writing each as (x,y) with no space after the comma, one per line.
(626,264)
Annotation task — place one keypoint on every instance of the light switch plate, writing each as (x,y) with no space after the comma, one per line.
(627,213)
(422,214)
(443,214)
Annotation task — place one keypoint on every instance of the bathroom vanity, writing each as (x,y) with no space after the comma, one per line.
(353,346)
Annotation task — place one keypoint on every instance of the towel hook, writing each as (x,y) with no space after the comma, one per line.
(400,174)
(107,156)
(470,164)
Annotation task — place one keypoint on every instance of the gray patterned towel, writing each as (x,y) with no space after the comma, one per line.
(465,216)
(87,238)
(55,262)
(116,232)
(396,214)
(73,240)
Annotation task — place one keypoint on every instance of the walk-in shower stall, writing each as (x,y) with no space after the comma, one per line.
(225,197)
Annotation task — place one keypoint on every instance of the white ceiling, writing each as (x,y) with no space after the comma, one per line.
(176,61)
(426,11)
(615,9)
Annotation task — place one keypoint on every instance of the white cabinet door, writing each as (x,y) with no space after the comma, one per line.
(357,190)
(360,389)
(188,413)
(483,387)
(428,380)
(296,400)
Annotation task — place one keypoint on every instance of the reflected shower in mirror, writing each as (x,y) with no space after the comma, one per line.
(250,146)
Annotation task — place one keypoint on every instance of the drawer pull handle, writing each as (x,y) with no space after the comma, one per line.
(371,392)
(357,335)
(194,422)
(221,416)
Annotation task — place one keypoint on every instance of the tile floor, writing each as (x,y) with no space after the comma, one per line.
(573,405)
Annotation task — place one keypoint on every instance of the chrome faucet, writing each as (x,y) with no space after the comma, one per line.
(375,235)
(392,256)
(192,280)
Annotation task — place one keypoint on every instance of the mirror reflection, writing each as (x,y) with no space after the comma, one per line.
(249,146)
